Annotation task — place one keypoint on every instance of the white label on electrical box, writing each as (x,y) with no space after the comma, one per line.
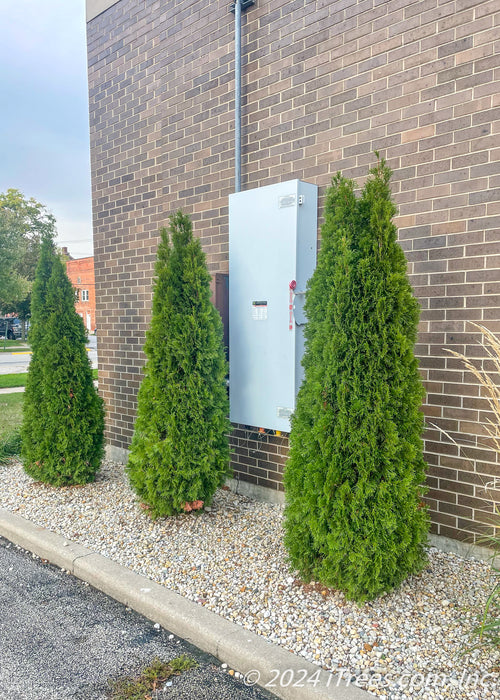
(287,201)
(284,412)
(259,310)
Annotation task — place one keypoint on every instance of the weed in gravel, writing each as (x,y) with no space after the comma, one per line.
(151,679)
(487,373)
(488,629)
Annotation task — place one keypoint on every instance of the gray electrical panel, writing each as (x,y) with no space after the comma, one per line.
(272,255)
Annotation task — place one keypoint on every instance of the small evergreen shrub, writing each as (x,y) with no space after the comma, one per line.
(354,519)
(180,452)
(63,417)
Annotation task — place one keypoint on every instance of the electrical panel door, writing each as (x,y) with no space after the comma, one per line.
(272,255)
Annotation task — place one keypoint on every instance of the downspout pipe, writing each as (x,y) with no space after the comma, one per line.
(237,96)
(237,8)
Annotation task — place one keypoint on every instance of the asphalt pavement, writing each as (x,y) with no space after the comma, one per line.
(18,360)
(14,362)
(61,639)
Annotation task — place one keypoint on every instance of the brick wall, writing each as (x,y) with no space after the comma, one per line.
(326,83)
(81,274)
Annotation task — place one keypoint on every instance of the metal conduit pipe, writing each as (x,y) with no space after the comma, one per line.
(237,8)
(237,96)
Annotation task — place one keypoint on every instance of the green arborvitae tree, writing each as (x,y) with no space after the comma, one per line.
(180,451)
(32,425)
(354,519)
(63,417)
(39,310)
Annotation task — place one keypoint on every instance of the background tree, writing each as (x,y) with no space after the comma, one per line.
(13,286)
(26,222)
(63,417)
(354,518)
(180,452)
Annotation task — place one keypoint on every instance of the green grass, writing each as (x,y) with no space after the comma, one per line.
(10,446)
(150,680)
(9,381)
(11,343)
(11,407)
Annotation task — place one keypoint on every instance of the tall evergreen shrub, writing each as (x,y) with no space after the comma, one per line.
(63,417)
(32,425)
(39,308)
(354,519)
(180,453)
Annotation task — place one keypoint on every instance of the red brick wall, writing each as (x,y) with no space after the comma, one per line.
(326,83)
(81,274)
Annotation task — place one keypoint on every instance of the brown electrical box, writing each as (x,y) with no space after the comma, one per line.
(220,299)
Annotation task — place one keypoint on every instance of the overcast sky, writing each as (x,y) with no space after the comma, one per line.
(44,132)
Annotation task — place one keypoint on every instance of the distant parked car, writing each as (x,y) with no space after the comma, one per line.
(12,327)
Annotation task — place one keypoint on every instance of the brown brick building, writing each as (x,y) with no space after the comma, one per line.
(325,83)
(81,274)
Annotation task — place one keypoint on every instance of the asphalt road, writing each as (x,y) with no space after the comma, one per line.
(13,363)
(18,361)
(60,639)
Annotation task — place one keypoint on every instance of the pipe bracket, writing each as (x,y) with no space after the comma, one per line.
(245,4)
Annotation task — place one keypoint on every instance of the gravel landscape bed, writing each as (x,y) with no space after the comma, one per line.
(411,643)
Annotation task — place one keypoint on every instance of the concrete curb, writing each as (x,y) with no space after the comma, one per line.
(266,664)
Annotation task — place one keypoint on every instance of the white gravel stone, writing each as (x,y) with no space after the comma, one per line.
(410,643)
